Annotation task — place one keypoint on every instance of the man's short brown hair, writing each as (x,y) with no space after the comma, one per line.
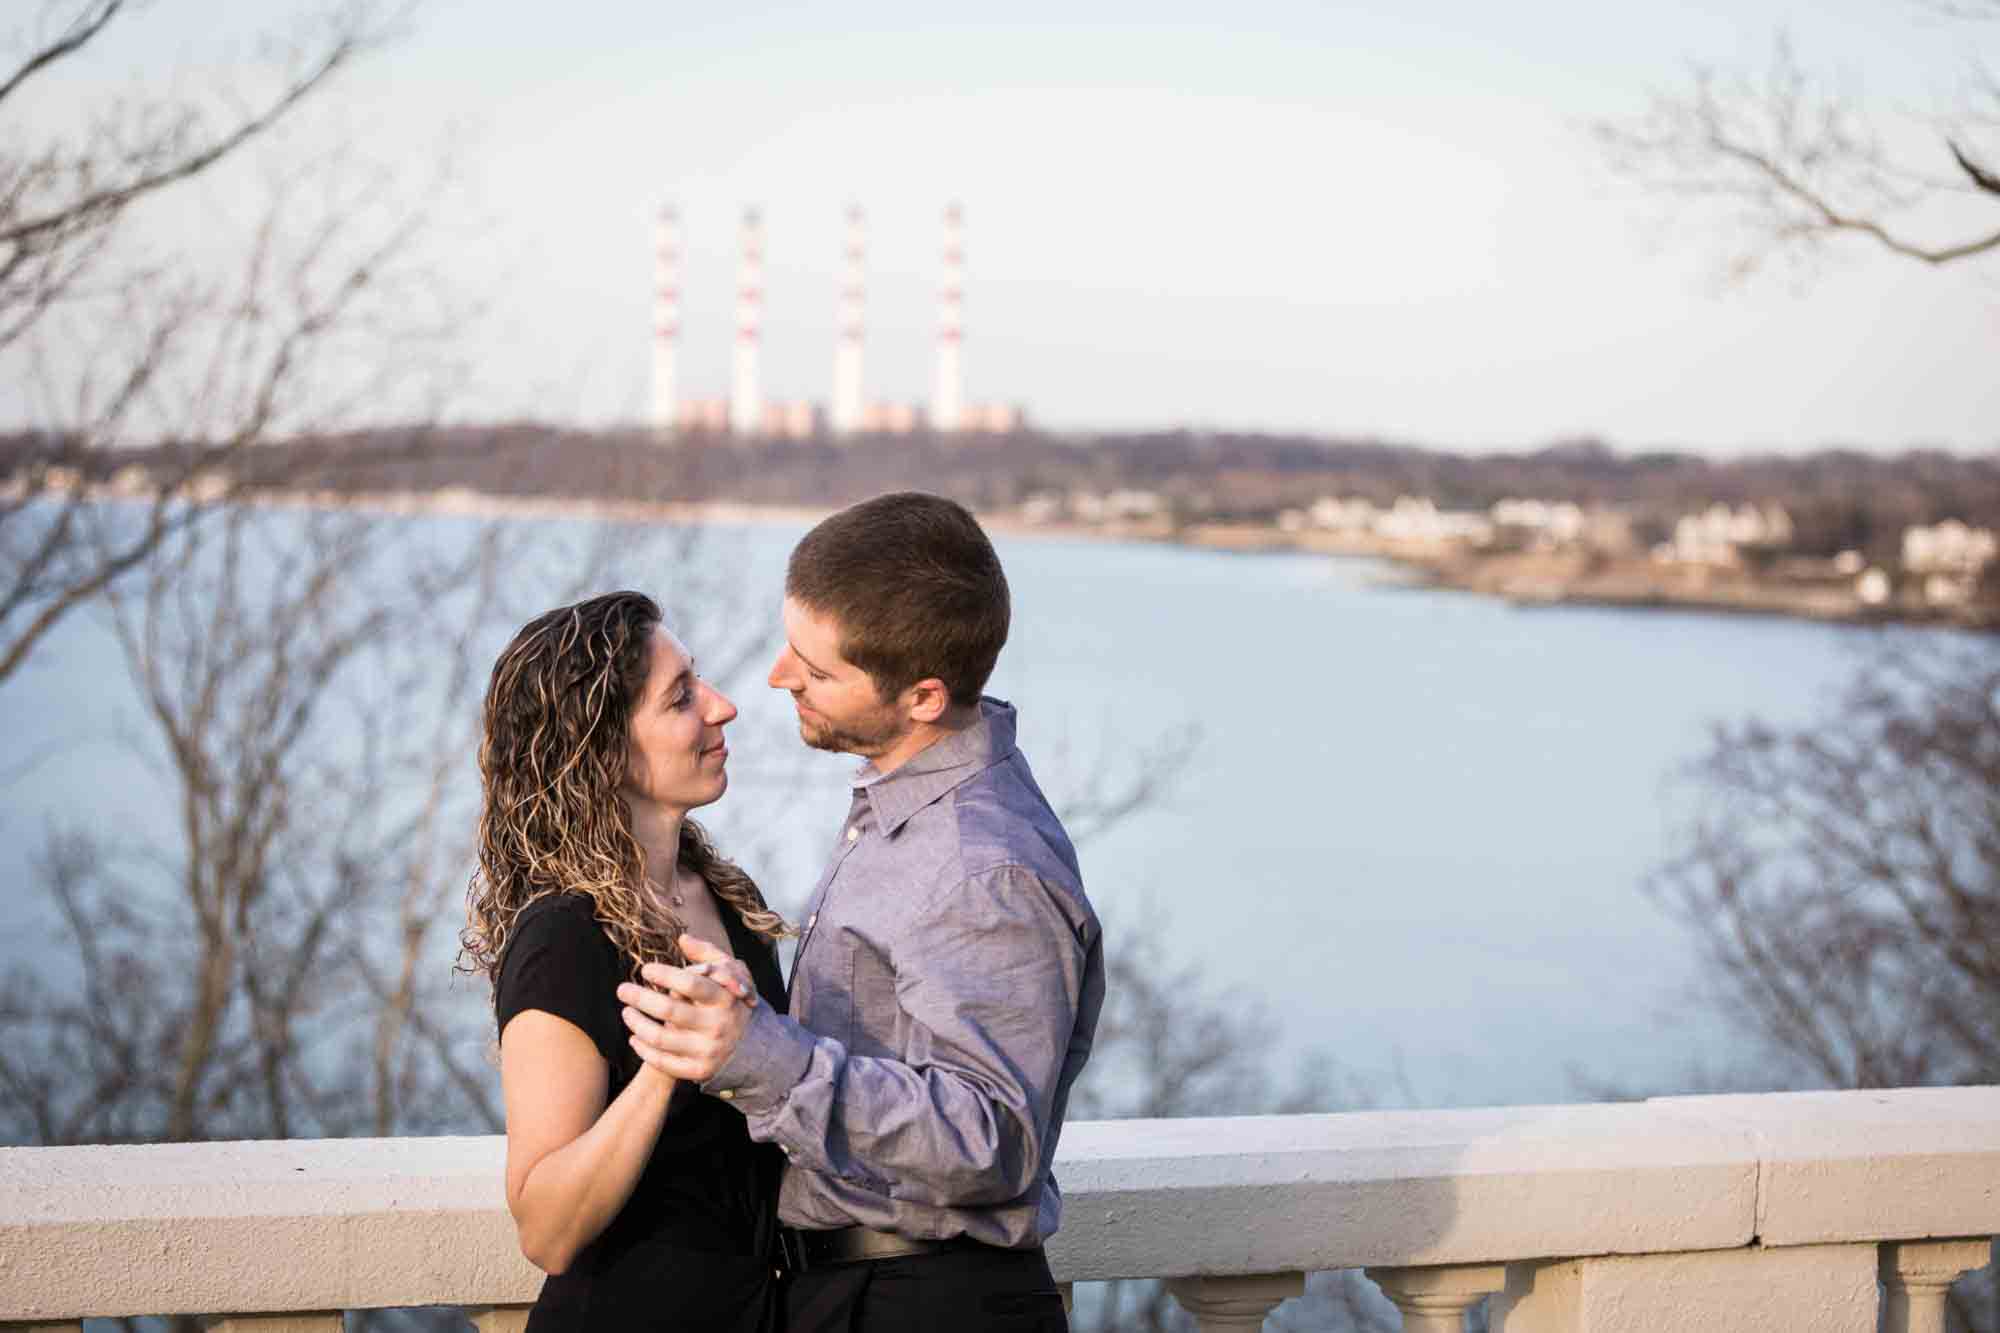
(914,586)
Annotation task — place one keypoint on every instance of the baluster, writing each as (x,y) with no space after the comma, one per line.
(1068,1290)
(1915,1277)
(1222,1303)
(1434,1300)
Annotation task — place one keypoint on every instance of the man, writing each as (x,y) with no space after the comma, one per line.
(949,971)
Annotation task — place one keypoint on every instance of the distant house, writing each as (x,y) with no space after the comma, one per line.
(1948,548)
(1418,521)
(1554,522)
(1718,535)
(1042,507)
(1337,515)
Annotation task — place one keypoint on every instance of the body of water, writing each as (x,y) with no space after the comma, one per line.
(1419,822)
(1414,829)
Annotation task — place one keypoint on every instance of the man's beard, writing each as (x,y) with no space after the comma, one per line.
(824,735)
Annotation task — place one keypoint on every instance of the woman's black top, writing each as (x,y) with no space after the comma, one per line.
(693,1246)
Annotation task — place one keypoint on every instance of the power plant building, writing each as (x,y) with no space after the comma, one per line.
(746,414)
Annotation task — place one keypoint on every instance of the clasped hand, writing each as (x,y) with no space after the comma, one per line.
(686,1021)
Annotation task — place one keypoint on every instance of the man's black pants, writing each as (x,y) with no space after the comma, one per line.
(972,1290)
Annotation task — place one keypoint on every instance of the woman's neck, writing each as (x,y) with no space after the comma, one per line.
(658,829)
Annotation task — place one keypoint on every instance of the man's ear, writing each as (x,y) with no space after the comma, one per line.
(927,701)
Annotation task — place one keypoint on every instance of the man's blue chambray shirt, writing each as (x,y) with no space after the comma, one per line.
(943,1001)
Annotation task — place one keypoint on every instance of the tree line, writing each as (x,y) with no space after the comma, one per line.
(1838,499)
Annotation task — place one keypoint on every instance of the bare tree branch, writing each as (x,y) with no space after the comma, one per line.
(1117,782)
(1794,162)
(75,37)
(168,160)
(171,355)
(1844,879)
(1984,179)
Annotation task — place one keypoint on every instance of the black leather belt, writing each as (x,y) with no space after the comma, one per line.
(805,1250)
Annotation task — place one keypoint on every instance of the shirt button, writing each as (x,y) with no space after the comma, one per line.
(812,920)
(727,1094)
(853,833)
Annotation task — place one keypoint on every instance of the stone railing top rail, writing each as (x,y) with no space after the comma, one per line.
(351,1223)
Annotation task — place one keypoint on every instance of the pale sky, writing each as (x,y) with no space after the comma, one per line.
(1332,218)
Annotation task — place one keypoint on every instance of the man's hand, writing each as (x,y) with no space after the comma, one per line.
(684,1022)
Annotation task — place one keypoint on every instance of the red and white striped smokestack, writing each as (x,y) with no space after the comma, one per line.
(746,405)
(847,353)
(666,319)
(948,396)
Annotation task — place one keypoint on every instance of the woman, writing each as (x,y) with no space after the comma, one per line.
(645,1202)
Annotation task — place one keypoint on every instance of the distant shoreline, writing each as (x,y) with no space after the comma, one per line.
(1522,579)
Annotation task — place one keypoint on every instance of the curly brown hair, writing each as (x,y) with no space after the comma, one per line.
(553,759)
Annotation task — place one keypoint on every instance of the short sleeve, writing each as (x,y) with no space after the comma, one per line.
(561,962)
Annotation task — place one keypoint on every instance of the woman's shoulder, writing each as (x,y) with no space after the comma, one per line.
(560,926)
(558,959)
(558,917)
(561,906)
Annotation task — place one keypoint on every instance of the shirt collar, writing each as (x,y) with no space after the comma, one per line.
(938,769)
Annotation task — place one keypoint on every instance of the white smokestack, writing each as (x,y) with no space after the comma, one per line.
(948,397)
(847,352)
(666,319)
(746,405)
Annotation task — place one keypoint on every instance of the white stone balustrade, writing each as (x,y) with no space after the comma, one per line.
(1915,1276)
(1710,1214)
(1241,1301)
(1436,1300)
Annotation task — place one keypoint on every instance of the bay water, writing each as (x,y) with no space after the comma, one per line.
(1412,828)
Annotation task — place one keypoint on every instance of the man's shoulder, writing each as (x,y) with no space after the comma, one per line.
(1003,820)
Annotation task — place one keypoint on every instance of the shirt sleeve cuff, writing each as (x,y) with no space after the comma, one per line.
(765,1066)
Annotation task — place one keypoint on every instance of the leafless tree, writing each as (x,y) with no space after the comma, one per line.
(1795,161)
(1843,880)
(212,963)
(115,345)
(273,962)
(1097,788)
(1171,1043)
